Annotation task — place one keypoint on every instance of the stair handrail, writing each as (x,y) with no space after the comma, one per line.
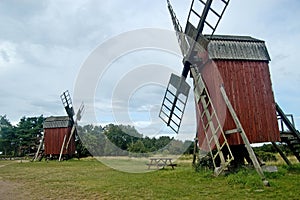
(287,122)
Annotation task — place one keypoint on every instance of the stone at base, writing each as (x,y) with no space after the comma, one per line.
(266,168)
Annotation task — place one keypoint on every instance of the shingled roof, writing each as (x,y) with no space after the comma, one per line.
(57,122)
(230,47)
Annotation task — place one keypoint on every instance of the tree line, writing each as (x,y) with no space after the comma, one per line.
(112,140)
(23,139)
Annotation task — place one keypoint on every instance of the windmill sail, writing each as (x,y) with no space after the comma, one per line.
(67,102)
(169,112)
(174,102)
(182,40)
(212,12)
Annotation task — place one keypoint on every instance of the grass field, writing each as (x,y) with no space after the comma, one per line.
(90,179)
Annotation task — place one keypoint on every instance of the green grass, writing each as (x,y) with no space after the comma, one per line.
(90,179)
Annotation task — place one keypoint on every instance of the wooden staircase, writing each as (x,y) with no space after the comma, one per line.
(288,133)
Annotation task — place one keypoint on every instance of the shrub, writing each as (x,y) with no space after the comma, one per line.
(266,156)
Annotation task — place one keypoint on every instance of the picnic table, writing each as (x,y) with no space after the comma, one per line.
(159,163)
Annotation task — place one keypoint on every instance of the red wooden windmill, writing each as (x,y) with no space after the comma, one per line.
(233,95)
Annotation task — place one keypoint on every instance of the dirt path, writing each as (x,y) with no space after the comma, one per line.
(13,162)
(10,190)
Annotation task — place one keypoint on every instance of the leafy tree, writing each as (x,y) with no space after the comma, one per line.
(118,137)
(28,133)
(4,122)
(137,147)
(130,130)
(162,142)
(93,140)
(7,136)
(82,151)
(189,146)
(176,147)
(149,144)
(20,139)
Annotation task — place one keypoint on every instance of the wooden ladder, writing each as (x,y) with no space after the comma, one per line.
(214,131)
(211,126)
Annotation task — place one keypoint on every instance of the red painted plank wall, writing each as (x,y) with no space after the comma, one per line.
(249,88)
(54,138)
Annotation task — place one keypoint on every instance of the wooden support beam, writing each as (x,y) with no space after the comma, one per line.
(236,130)
(244,137)
(281,154)
(39,148)
(195,152)
(62,148)
(71,134)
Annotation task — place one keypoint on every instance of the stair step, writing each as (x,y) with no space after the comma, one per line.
(294,142)
(290,137)
(286,135)
(297,146)
(288,141)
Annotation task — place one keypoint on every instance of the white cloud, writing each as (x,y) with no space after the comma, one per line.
(8,55)
(44,43)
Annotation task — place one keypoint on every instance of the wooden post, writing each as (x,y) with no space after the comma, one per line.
(71,135)
(62,148)
(39,148)
(195,150)
(281,154)
(244,137)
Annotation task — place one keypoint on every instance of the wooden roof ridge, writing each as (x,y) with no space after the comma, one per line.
(57,122)
(231,47)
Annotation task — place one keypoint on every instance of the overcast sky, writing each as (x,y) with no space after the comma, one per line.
(43,45)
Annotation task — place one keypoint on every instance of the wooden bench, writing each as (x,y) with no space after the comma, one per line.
(172,165)
(160,163)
